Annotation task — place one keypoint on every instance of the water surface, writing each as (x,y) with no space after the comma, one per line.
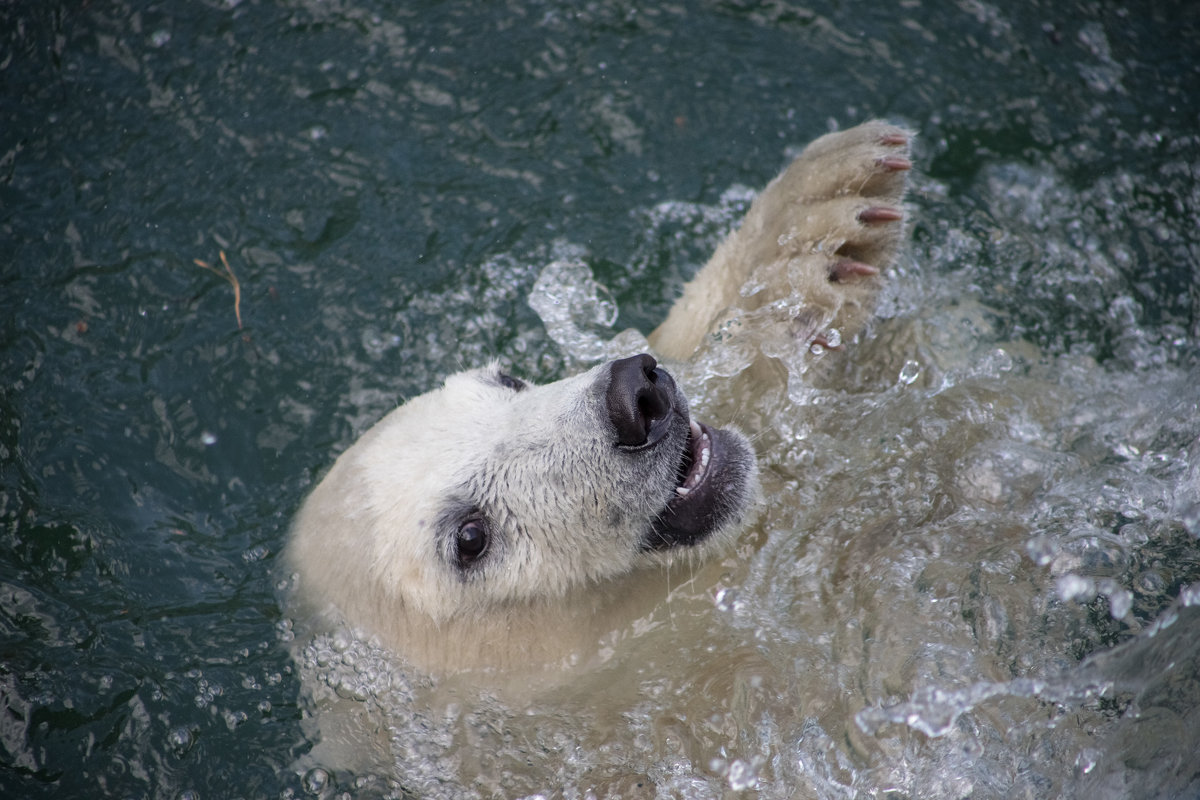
(981,577)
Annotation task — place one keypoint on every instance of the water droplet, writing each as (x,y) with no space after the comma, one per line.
(726,599)
(1119,603)
(1150,583)
(180,740)
(742,775)
(256,553)
(1086,761)
(208,438)
(909,372)
(233,719)
(1041,549)
(999,360)
(316,780)
(1191,519)
(1074,587)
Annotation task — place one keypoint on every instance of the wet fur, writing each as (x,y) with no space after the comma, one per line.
(569,510)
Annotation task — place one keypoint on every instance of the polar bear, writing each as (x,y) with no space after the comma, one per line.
(493,524)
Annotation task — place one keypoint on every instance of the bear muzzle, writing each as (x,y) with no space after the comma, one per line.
(715,474)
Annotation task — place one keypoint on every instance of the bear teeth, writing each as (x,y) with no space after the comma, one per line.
(701,446)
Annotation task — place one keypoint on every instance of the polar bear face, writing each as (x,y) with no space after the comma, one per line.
(489,493)
(490,520)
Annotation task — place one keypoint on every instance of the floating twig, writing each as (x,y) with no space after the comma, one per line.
(233,281)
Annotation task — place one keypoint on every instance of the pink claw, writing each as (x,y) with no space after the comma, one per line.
(893,139)
(821,340)
(894,163)
(880,214)
(849,268)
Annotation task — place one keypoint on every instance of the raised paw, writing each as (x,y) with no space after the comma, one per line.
(842,196)
(819,239)
(841,201)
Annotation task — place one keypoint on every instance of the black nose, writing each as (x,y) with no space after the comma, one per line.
(639,400)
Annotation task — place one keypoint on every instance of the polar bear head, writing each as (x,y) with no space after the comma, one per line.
(490,494)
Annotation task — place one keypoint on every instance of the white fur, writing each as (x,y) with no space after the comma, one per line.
(568,509)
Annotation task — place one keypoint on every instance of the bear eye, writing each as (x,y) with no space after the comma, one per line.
(509,382)
(471,542)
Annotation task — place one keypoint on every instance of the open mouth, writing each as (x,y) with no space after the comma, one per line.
(712,488)
(693,465)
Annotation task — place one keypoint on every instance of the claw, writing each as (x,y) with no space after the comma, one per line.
(893,139)
(849,268)
(880,214)
(894,163)
(820,339)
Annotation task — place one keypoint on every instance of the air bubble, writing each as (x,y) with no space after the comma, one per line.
(1191,519)
(1119,603)
(727,599)
(256,553)
(180,740)
(910,372)
(1074,587)
(1086,761)
(1150,583)
(997,361)
(234,719)
(316,780)
(1041,549)
(742,775)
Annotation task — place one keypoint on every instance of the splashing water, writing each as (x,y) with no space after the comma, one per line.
(966,538)
(976,572)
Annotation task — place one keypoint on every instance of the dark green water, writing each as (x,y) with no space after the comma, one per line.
(387,181)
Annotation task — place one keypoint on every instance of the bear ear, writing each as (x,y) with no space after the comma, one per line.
(510,382)
(494,374)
